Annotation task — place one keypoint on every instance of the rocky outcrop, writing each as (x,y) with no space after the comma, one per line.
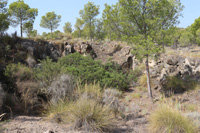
(185,70)
(111,51)
(117,52)
(41,49)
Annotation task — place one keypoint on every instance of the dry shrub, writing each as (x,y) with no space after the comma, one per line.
(61,89)
(30,102)
(111,99)
(26,88)
(90,116)
(169,120)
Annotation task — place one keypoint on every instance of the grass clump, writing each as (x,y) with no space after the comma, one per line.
(90,116)
(86,111)
(90,91)
(143,80)
(169,120)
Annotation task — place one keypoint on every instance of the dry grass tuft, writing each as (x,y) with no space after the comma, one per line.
(143,80)
(90,116)
(169,120)
(90,91)
(86,111)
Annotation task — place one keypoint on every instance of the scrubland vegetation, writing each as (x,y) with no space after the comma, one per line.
(83,92)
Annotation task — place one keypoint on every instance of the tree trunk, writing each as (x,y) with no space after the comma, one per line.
(51,34)
(148,78)
(79,34)
(21,28)
(90,30)
(90,33)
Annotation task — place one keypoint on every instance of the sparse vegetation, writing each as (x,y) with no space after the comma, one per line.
(90,85)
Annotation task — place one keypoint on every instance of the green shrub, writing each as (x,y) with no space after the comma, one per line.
(88,70)
(174,84)
(19,72)
(47,72)
(85,69)
(168,120)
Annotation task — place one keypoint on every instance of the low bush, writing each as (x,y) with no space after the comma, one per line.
(169,120)
(88,70)
(47,72)
(174,84)
(85,69)
(19,72)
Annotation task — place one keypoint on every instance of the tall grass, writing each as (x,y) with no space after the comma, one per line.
(90,91)
(169,120)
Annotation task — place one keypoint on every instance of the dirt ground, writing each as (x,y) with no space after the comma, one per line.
(137,111)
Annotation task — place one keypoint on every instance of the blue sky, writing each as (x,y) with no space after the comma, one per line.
(69,10)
